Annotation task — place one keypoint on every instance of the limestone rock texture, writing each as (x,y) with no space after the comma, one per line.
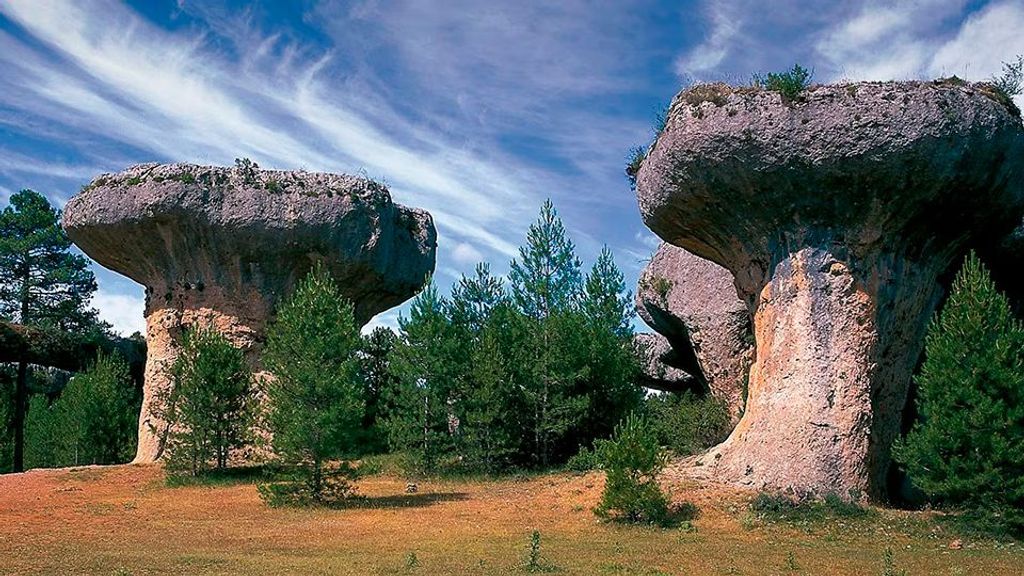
(219,247)
(693,303)
(657,366)
(837,214)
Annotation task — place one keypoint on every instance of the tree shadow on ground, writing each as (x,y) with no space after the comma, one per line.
(399,501)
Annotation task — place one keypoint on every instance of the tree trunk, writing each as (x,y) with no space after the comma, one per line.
(20,398)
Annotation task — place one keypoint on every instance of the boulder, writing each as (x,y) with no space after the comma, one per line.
(219,247)
(837,213)
(693,303)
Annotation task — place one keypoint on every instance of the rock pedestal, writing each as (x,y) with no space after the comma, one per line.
(220,247)
(837,213)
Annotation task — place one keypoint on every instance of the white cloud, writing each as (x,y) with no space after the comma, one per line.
(388,319)
(989,37)
(123,311)
(466,254)
(726,22)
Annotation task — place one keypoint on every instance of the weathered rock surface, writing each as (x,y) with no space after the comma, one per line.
(693,303)
(837,215)
(658,370)
(220,246)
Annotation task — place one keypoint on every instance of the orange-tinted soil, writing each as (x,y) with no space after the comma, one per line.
(124,520)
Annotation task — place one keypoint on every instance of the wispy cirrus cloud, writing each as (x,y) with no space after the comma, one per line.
(473,112)
(868,40)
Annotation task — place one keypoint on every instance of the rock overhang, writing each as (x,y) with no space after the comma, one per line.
(183,226)
(872,164)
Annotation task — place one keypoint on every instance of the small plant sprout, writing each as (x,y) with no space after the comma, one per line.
(889,565)
(791,564)
(636,159)
(533,553)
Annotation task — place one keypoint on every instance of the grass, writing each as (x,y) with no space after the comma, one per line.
(126,520)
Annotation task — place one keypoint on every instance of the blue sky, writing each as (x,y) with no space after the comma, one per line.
(474,110)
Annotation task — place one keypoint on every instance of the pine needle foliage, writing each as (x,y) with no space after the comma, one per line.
(315,397)
(967,450)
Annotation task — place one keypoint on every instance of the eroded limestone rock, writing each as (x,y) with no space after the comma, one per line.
(658,370)
(220,247)
(837,214)
(692,302)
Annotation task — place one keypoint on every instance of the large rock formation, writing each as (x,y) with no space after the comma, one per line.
(692,302)
(837,214)
(219,247)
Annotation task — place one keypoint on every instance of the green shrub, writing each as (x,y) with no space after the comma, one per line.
(774,507)
(632,460)
(93,421)
(209,406)
(637,155)
(687,423)
(789,84)
(966,449)
(584,461)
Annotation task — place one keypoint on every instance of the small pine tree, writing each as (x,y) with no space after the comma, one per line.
(315,395)
(632,460)
(209,405)
(967,449)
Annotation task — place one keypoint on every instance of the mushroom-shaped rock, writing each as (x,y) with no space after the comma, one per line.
(836,213)
(657,365)
(693,303)
(219,247)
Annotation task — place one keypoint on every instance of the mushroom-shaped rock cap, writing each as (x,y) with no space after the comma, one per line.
(219,247)
(836,213)
(178,228)
(739,173)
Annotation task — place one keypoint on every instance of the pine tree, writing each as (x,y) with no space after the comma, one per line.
(632,460)
(315,394)
(546,278)
(547,286)
(492,427)
(99,411)
(474,298)
(210,404)
(967,449)
(611,365)
(41,284)
(379,383)
(428,361)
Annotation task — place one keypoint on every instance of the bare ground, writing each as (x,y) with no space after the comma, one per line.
(124,520)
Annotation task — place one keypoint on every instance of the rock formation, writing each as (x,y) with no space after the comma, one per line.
(220,247)
(692,302)
(837,214)
(658,365)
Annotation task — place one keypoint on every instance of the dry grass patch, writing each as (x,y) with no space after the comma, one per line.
(123,520)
